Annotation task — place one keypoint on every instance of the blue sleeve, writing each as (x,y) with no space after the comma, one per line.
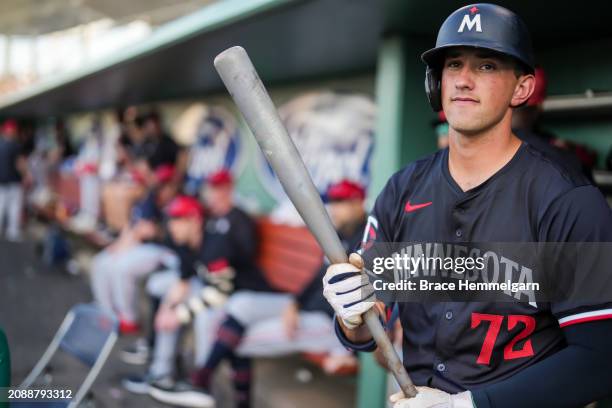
(573,377)
(368,346)
(243,236)
(578,225)
(187,259)
(580,215)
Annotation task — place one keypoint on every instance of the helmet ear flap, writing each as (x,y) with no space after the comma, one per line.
(433,89)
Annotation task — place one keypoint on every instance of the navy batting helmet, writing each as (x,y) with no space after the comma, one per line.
(485,26)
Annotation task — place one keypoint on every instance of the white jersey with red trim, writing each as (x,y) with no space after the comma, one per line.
(455,346)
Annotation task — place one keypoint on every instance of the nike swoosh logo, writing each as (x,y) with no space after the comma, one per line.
(413,207)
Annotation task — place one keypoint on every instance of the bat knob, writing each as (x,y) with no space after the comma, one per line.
(231,55)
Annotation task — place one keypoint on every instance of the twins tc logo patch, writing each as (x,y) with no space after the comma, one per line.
(369,235)
(471,22)
(413,207)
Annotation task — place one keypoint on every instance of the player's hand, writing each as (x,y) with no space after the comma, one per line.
(166,319)
(349,291)
(433,398)
(222,279)
(27,180)
(291,319)
(177,292)
(213,297)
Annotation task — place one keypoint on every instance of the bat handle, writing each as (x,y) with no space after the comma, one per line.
(395,365)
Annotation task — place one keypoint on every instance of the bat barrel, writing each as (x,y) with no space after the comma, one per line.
(247,90)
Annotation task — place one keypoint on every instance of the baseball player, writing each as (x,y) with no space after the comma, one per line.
(487,186)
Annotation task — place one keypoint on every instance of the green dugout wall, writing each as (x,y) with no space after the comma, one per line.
(372,385)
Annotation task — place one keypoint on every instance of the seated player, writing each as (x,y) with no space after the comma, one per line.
(115,270)
(222,261)
(185,223)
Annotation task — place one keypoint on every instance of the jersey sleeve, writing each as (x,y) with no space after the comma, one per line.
(243,237)
(382,218)
(582,221)
(582,367)
(187,263)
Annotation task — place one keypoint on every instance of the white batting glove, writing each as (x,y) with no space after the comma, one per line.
(349,291)
(433,398)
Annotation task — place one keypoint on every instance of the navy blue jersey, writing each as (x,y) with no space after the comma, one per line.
(457,346)
(9,154)
(231,241)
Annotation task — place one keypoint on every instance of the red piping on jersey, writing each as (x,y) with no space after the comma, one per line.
(586,319)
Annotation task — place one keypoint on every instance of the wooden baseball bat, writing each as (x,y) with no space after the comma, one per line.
(244,85)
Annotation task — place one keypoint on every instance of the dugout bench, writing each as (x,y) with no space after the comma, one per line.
(289,258)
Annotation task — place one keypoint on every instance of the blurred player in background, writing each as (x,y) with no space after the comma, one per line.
(135,254)
(526,124)
(13,174)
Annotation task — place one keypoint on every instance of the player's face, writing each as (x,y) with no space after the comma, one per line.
(219,199)
(183,229)
(479,88)
(345,212)
(146,229)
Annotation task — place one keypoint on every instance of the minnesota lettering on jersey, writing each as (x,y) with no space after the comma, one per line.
(438,268)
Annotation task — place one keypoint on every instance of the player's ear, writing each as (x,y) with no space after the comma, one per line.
(523,90)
